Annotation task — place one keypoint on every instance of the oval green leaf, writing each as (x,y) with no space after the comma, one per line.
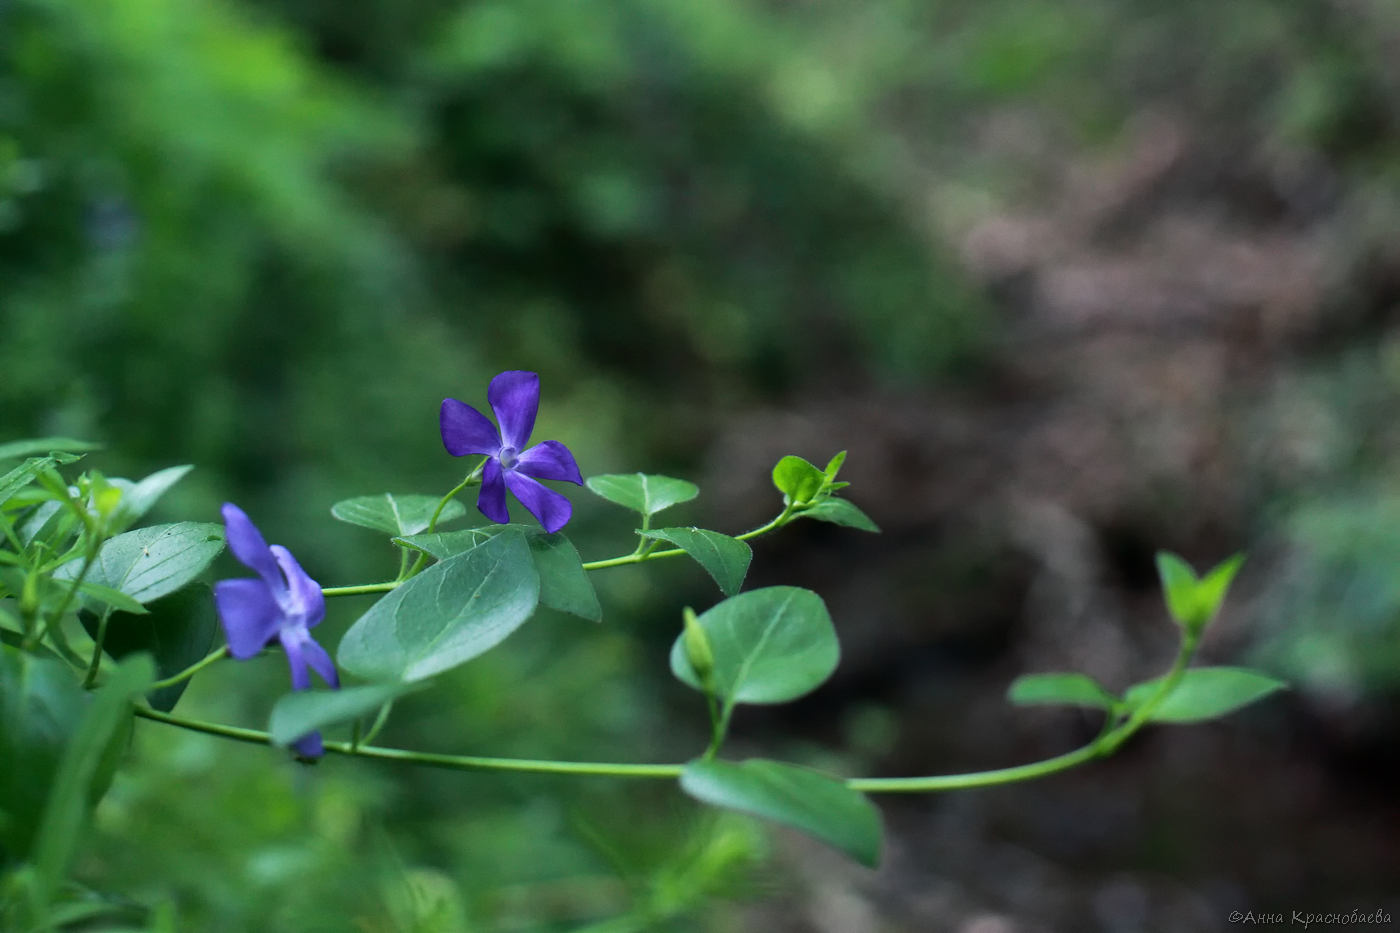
(176,630)
(564,584)
(797,479)
(840,512)
(724,558)
(296,714)
(810,801)
(395,514)
(642,492)
(1060,690)
(769,646)
(447,615)
(149,563)
(138,498)
(1205,693)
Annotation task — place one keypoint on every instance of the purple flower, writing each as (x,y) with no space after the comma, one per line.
(283,604)
(514,397)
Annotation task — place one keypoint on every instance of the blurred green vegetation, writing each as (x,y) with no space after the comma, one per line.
(267,239)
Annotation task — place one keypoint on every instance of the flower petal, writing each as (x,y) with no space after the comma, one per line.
(549,460)
(294,640)
(305,603)
(550,507)
(250,614)
(492,498)
(515,398)
(249,546)
(321,663)
(309,746)
(466,430)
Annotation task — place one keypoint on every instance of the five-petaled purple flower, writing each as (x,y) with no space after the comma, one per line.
(515,398)
(283,604)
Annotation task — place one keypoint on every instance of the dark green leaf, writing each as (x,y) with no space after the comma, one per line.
(297,714)
(797,479)
(395,514)
(148,563)
(640,492)
(85,769)
(839,512)
(769,645)
(180,629)
(1060,690)
(815,803)
(724,558)
(564,584)
(1205,693)
(447,615)
(44,445)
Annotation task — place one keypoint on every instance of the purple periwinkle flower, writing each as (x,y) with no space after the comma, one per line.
(515,398)
(284,603)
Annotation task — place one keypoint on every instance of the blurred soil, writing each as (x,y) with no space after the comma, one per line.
(1162,304)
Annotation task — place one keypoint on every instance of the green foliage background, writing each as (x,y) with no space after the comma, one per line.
(268,238)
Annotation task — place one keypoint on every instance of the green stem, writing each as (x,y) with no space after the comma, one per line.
(1104,744)
(359,590)
(379,722)
(217,654)
(96,662)
(456,762)
(640,555)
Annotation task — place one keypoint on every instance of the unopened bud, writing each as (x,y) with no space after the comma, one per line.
(697,647)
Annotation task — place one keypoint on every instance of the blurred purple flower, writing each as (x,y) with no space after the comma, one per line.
(515,398)
(283,604)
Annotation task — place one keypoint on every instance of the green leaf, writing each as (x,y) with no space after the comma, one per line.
(641,492)
(1060,690)
(833,466)
(21,476)
(1178,586)
(769,645)
(1210,592)
(840,512)
(41,705)
(797,479)
(297,714)
(85,770)
(148,563)
(138,498)
(107,596)
(45,445)
(447,615)
(564,584)
(179,629)
(724,558)
(1205,693)
(815,803)
(395,515)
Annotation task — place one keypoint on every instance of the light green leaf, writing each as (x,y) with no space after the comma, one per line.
(148,563)
(564,584)
(833,466)
(447,615)
(641,492)
(1211,590)
(724,558)
(45,445)
(105,595)
(138,498)
(1060,690)
(840,512)
(19,477)
(770,645)
(1178,586)
(395,514)
(797,479)
(297,714)
(1205,693)
(815,803)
